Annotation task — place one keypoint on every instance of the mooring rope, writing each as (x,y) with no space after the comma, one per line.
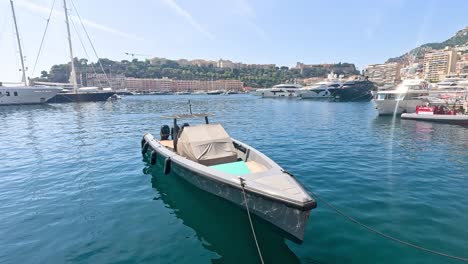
(242,183)
(385,235)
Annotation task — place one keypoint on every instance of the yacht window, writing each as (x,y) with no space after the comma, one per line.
(15,93)
(7,93)
(381,96)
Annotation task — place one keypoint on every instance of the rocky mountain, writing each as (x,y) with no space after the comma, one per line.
(460,38)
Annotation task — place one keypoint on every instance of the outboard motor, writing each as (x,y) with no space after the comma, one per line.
(165,132)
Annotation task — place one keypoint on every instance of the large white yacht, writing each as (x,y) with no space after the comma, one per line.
(452,83)
(403,98)
(11,95)
(24,94)
(280,90)
(413,92)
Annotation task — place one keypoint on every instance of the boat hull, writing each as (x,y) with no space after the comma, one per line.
(290,219)
(352,95)
(317,94)
(447,119)
(279,94)
(390,107)
(26,95)
(354,91)
(80,97)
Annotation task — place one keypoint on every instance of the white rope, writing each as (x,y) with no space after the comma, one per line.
(242,183)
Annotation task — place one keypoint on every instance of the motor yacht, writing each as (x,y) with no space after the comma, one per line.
(320,90)
(280,91)
(207,157)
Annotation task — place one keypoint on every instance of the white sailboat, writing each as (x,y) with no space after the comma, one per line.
(24,94)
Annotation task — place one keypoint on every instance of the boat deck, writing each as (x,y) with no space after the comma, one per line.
(232,168)
(168,144)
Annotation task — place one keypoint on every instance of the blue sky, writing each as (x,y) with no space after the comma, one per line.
(251,31)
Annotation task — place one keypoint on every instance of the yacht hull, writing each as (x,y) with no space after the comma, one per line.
(389,107)
(352,95)
(26,95)
(278,94)
(317,94)
(80,97)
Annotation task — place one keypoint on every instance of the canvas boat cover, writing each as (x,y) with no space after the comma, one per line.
(206,144)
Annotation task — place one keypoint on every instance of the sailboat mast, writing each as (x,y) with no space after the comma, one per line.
(23,79)
(73,72)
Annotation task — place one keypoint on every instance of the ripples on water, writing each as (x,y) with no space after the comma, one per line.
(75,189)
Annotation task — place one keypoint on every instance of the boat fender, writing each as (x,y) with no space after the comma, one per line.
(143,141)
(154,157)
(145,148)
(167,165)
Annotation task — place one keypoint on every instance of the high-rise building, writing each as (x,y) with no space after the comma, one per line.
(462,65)
(439,63)
(381,74)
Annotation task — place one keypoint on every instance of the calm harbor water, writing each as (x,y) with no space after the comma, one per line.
(75,189)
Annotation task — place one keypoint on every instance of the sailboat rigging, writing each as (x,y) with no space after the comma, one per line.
(24,94)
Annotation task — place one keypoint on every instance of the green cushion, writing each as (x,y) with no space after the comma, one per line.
(237,168)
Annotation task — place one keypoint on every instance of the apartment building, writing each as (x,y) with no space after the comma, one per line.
(168,85)
(439,63)
(387,73)
(116,81)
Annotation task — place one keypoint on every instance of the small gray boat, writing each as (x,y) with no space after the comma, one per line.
(207,157)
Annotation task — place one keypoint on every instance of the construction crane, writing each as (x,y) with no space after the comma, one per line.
(137,55)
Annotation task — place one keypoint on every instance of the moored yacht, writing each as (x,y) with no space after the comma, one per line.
(24,94)
(413,92)
(358,90)
(13,95)
(280,90)
(403,98)
(320,90)
(323,89)
(78,94)
(214,92)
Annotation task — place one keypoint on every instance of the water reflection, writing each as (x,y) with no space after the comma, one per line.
(10,109)
(220,226)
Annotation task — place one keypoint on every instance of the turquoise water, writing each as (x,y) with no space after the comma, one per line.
(75,189)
